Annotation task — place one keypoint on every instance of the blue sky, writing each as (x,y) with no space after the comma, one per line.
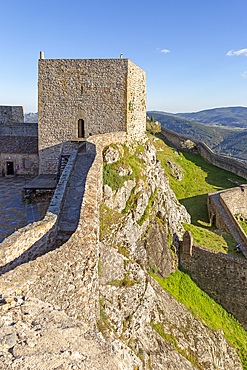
(194,52)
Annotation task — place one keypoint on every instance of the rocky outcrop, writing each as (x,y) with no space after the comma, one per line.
(134,308)
(37,335)
(160,330)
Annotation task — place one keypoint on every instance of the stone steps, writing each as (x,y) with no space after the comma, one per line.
(216,199)
(74,195)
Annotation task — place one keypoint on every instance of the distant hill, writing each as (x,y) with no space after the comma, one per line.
(31,117)
(229,116)
(212,136)
(235,144)
(223,141)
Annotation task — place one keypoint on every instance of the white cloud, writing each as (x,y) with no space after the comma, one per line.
(237,52)
(167,51)
(244,75)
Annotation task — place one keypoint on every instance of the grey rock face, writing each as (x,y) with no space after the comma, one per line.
(133,310)
(42,337)
(165,202)
(111,155)
(124,171)
(176,170)
(116,199)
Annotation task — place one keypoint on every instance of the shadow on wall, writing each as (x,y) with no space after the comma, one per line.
(39,248)
(65,206)
(48,157)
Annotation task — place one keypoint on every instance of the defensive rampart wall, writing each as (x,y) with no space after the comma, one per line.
(220,275)
(185,143)
(68,276)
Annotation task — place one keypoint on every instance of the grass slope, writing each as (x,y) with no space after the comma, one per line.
(205,309)
(199,179)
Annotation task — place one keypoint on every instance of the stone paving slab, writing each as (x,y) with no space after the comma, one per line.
(13,214)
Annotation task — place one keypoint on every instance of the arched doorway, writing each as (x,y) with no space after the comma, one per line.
(81,128)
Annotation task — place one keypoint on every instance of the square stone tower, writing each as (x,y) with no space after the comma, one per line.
(78,98)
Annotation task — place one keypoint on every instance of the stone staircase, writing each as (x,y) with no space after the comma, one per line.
(229,224)
(74,195)
(63,160)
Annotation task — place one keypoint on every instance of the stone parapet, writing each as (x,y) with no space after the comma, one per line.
(36,239)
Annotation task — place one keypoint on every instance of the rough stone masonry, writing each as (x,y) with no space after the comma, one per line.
(83,97)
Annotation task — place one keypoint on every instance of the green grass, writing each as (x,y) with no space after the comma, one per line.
(199,179)
(243,224)
(212,238)
(126,282)
(147,209)
(108,217)
(204,308)
(128,161)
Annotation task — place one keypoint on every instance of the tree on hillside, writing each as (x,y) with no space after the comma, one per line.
(153,126)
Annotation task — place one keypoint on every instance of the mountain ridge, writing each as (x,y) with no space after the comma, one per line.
(223,116)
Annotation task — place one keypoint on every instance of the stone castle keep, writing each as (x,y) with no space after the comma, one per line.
(82,97)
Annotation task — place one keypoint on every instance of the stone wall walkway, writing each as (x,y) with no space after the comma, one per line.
(216,199)
(74,195)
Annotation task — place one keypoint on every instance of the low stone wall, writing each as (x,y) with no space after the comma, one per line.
(235,201)
(215,217)
(34,239)
(68,276)
(220,275)
(184,143)
(9,113)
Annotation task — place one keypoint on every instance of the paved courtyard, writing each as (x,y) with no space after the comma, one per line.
(13,214)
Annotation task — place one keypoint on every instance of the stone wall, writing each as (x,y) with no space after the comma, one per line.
(94,90)
(28,163)
(36,239)
(234,202)
(215,216)
(68,275)
(185,143)
(235,199)
(19,130)
(136,99)
(19,144)
(223,205)
(11,114)
(220,275)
